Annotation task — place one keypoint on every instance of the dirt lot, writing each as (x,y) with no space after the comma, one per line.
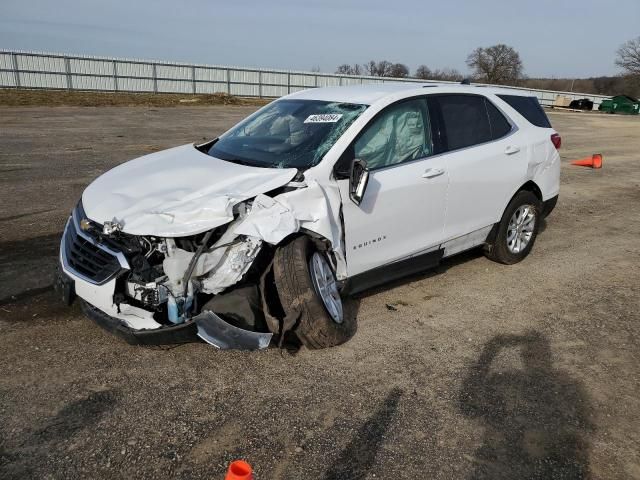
(477,370)
(54,98)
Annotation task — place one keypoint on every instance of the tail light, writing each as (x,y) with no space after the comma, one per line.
(556,140)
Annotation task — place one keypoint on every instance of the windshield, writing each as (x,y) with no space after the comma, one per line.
(287,133)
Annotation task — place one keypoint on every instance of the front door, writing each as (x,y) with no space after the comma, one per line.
(403,209)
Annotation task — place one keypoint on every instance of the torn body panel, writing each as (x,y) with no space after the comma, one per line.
(183,277)
(314,208)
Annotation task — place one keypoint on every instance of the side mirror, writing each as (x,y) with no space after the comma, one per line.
(358,179)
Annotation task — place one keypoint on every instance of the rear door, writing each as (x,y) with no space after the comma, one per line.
(403,209)
(485,158)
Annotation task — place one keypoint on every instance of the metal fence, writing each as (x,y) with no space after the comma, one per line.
(20,69)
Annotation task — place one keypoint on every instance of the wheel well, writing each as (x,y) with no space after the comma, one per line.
(530,186)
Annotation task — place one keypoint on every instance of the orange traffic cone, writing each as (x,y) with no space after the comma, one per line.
(239,470)
(595,161)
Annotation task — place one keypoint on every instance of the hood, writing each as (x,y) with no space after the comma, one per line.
(176,192)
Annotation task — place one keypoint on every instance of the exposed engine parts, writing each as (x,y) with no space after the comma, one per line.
(171,277)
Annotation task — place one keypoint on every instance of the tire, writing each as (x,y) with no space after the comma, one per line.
(315,327)
(498,248)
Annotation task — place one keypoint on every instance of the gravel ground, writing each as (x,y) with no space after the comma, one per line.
(475,370)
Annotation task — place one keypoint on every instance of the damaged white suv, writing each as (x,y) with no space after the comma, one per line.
(262,233)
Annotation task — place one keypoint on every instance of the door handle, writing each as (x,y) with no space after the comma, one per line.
(510,150)
(432,172)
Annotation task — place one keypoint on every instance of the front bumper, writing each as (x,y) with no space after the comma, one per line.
(207,325)
(183,333)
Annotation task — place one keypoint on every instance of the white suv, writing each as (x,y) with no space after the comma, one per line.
(265,231)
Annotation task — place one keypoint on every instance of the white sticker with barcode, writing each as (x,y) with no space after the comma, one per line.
(323,118)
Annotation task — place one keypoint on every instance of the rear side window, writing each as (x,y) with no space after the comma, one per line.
(499,125)
(529,108)
(465,120)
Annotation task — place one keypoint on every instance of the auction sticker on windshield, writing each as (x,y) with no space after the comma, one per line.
(323,118)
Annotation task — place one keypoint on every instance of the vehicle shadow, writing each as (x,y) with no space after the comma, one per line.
(358,457)
(34,450)
(32,263)
(536,418)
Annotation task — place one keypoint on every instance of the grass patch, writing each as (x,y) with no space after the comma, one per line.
(53,98)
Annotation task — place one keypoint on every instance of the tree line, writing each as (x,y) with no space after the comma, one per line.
(384,68)
(501,65)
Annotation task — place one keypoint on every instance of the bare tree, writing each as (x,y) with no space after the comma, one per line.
(423,72)
(378,69)
(498,64)
(447,74)
(346,69)
(370,68)
(315,69)
(628,56)
(384,68)
(399,70)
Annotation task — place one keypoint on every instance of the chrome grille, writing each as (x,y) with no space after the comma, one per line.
(83,256)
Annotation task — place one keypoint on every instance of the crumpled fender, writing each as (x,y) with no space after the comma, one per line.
(314,208)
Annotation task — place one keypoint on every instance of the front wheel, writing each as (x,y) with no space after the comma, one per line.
(307,287)
(517,230)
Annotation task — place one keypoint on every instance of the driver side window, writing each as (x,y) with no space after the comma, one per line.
(400,133)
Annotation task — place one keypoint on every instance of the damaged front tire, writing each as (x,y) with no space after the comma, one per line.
(307,290)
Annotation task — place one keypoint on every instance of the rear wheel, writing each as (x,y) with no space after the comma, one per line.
(517,231)
(307,288)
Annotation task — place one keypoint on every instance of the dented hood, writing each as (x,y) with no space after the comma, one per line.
(176,192)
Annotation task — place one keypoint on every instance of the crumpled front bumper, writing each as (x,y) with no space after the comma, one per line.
(183,333)
(207,325)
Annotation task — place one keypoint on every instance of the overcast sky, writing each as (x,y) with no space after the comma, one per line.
(555,38)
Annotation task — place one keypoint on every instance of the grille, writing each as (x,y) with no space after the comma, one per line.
(87,259)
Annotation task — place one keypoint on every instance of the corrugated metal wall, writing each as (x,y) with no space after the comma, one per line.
(46,70)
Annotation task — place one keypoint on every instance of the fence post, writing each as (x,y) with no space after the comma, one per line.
(288,82)
(340,81)
(315,80)
(14,61)
(155,78)
(259,84)
(229,81)
(115,76)
(67,70)
(193,79)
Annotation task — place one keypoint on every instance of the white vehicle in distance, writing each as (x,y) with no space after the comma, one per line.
(262,234)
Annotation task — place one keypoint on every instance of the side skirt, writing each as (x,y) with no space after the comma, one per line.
(393,271)
(416,264)
(466,242)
